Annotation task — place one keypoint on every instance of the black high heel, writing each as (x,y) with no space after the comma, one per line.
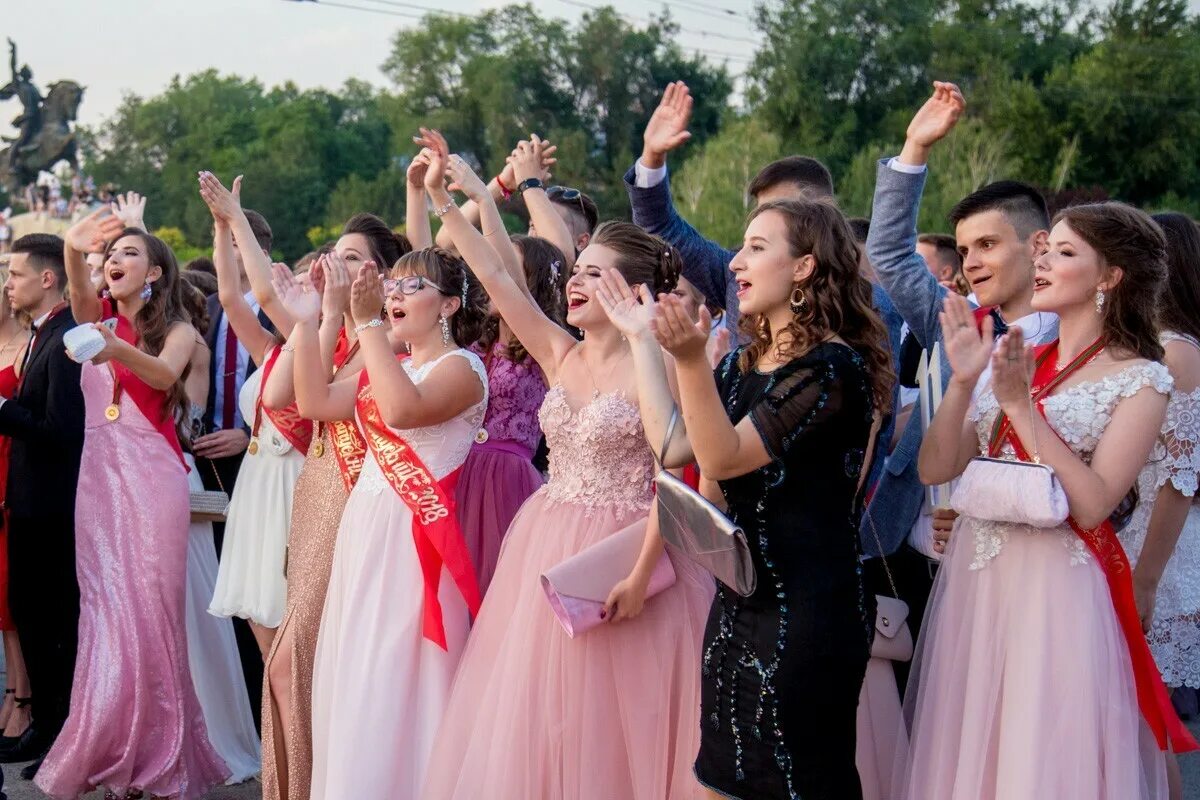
(22,702)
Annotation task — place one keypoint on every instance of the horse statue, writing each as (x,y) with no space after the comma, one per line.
(44,131)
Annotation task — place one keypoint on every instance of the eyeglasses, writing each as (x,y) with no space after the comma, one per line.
(410,284)
(568,194)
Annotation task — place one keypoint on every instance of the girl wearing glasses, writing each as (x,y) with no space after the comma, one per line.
(402,587)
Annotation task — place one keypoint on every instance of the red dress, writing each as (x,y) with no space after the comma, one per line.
(8,387)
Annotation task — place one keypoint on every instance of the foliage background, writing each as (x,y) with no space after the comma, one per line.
(1082,100)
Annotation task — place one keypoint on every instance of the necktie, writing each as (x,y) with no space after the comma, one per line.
(230,377)
(33,331)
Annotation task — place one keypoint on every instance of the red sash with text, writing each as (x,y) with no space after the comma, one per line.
(439,540)
(295,428)
(150,401)
(1153,700)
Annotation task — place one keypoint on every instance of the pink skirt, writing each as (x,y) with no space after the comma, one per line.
(497,478)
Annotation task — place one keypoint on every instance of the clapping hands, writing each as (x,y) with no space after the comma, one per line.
(297,294)
(366,295)
(222,203)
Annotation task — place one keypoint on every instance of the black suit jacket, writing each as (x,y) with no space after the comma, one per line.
(215,316)
(45,420)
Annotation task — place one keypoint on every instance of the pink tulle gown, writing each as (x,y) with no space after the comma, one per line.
(614,713)
(135,722)
(1023,686)
(499,475)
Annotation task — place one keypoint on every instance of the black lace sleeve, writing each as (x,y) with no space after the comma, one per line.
(796,405)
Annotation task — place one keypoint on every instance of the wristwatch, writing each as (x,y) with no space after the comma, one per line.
(529,183)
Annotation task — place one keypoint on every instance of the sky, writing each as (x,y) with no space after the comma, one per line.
(117,46)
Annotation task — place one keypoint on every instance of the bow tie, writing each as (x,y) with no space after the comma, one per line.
(999,326)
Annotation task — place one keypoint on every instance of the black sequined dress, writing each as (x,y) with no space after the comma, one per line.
(782,669)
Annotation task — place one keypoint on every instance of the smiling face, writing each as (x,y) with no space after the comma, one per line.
(997,262)
(765,269)
(1070,272)
(127,268)
(583,311)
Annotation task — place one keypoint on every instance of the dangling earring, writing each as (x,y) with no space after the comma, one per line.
(146,292)
(798,306)
(445,330)
(1099,301)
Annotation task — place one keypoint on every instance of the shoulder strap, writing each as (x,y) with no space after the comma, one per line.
(661,455)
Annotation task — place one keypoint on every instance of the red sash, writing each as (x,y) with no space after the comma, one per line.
(150,401)
(349,447)
(295,428)
(1153,700)
(435,524)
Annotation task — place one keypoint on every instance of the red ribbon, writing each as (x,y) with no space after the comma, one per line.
(439,540)
(287,420)
(1102,541)
(150,401)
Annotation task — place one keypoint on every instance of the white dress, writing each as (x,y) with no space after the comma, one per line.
(379,687)
(251,583)
(213,656)
(1175,633)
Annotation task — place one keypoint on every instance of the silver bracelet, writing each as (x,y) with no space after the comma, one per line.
(441,212)
(287,348)
(375,323)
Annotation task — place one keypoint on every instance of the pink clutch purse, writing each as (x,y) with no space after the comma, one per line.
(578,587)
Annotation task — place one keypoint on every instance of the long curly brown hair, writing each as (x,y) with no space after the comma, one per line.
(165,308)
(837,297)
(1127,239)
(545,275)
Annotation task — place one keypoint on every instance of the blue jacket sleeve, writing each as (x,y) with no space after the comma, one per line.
(892,249)
(705,263)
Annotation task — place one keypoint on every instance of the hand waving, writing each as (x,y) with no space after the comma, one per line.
(938,116)
(676,333)
(967,348)
(621,303)
(90,234)
(366,294)
(130,208)
(667,128)
(1012,369)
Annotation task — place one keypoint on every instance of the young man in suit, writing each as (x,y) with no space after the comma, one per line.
(1000,229)
(45,419)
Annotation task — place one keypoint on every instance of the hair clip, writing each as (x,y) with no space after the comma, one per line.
(464,291)
(555,266)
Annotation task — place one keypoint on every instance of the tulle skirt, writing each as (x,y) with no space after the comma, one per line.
(496,479)
(614,713)
(1022,685)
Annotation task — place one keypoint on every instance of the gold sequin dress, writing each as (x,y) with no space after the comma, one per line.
(316,512)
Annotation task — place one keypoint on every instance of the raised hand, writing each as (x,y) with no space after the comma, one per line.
(719,346)
(439,157)
(130,208)
(676,332)
(417,168)
(336,298)
(1012,369)
(366,295)
(967,348)
(222,203)
(93,232)
(621,303)
(508,175)
(298,296)
(667,128)
(932,122)
(526,160)
(465,180)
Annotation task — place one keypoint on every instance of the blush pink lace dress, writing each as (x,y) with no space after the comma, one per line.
(499,475)
(613,713)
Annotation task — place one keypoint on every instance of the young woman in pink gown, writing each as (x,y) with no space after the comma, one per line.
(1032,677)
(135,724)
(613,712)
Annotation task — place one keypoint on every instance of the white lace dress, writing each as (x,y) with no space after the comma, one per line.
(1023,683)
(1175,634)
(379,687)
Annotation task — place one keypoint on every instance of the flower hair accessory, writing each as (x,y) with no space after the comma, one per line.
(555,267)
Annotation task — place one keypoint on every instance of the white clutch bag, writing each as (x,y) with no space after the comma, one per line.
(1018,492)
(83,343)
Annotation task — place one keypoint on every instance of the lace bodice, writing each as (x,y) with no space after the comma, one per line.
(516,392)
(598,454)
(1079,414)
(443,447)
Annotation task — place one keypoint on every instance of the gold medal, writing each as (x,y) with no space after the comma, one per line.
(481,436)
(253,448)
(112,412)
(318,449)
